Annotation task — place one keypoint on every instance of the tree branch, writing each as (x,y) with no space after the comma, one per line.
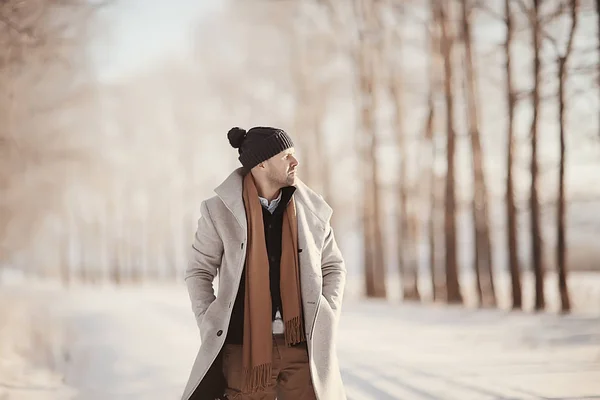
(574,20)
(484,6)
(22,32)
(545,35)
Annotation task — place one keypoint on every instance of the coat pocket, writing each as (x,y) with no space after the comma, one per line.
(326,304)
(207,319)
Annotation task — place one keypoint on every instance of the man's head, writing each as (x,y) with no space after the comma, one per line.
(268,153)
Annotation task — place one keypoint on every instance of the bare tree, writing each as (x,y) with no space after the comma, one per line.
(405,248)
(433,206)
(482,242)
(361,53)
(115,263)
(435,231)
(598,33)
(411,287)
(511,212)
(536,233)
(367,60)
(446,43)
(561,248)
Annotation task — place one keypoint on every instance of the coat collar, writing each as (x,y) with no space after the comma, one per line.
(230,192)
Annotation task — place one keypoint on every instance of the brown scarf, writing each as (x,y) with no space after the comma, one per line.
(258,339)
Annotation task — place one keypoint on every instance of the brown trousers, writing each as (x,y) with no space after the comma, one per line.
(290,378)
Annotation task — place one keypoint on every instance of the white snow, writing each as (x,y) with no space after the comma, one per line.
(140,342)
(31,344)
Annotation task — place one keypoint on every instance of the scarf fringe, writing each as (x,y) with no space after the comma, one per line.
(257,378)
(293,331)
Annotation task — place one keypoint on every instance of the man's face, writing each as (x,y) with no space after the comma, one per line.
(281,168)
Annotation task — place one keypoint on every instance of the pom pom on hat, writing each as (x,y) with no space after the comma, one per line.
(236,137)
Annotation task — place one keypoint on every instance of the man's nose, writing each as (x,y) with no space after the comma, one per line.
(295,161)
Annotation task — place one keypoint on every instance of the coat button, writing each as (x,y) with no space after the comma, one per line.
(219,333)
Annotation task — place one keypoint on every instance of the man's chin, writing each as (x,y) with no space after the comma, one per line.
(291,180)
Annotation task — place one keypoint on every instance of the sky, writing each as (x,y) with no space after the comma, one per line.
(138,33)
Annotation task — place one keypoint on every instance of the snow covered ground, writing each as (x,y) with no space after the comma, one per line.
(32,348)
(139,343)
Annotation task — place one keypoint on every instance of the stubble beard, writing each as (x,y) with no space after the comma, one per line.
(291,180)
(281,181)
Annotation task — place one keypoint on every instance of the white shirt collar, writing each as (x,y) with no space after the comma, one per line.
(272,206)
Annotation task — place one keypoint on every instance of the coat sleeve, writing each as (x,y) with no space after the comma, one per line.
(205,260)
(334,271)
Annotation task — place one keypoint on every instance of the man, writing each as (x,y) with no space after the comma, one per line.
(270,332)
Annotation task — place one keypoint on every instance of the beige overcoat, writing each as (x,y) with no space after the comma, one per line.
(219,251)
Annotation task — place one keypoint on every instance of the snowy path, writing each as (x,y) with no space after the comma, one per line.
(139,343)
(410,352)
(132,345)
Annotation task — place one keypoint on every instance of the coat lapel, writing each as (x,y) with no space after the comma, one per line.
(230,192)
(313,202)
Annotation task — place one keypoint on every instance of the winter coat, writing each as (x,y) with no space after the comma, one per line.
(219,249)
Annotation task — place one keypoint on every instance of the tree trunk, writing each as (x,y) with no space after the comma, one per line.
(368,243)
(367,60)
(598,21)
(536,234)
(369,258)
(409,289)
(82,266)
(453,286)
(561,248)
(483,249)
(379,247)
(471,121)
(511,212)
(119,266)
(401,226)
(374,220)
(402,198)
(432,218)
(432,249)
(379,250)
(439,237)
(65,256)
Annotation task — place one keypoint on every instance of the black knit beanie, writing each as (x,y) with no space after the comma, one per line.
(258,144)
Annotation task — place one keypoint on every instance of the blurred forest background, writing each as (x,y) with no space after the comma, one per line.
(458,141)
